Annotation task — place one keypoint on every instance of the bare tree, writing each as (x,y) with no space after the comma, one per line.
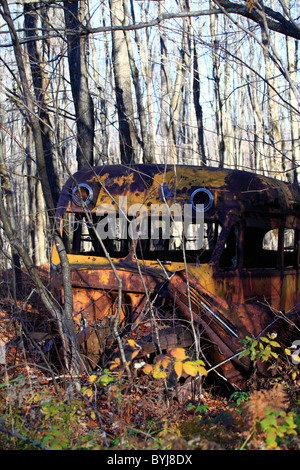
(123,83)
(40,86)
(76,17)
(64,318)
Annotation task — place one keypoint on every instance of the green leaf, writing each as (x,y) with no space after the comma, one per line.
(243,353)
(274,344)
(158,373)
(263,338)
(190,368)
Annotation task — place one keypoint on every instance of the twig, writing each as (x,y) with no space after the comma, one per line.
(23,438)
(97,414)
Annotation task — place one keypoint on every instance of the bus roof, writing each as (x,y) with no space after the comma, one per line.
(235,190)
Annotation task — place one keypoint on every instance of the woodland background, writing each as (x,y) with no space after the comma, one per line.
(83,83)
(92,82)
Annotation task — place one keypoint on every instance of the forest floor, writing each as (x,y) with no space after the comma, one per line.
(40,408)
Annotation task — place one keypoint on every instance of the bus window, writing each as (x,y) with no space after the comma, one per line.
(229,257)
(290,248)
(260,247)
(83,237)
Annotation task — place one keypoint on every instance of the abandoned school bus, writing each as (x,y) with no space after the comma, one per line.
(242,279)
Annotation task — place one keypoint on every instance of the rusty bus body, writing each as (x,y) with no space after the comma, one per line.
(244,280)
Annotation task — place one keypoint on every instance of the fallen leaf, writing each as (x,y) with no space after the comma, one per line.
(134,354)
(116,363)
(93,378)
(131,343)
(147,369)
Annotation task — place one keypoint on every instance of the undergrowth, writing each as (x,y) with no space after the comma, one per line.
(112,411)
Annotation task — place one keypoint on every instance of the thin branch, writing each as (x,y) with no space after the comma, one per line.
(275,20)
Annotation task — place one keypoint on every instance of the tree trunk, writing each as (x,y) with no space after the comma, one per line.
(65,318)
(198,107)
(40,85)
(83,103)
(124,101)
(217,90)
(15,258)
(292,58)
(272,128)
(137,73)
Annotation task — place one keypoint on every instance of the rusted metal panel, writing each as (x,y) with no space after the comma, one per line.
(227,299)
(107,280)
(91,305)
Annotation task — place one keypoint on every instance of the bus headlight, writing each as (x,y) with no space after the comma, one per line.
(202,196)
(86,194)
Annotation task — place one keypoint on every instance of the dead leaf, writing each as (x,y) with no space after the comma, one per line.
(250,4)
(178,353)
(131,343)
(165,362)
(134,354)
(147,369)
(93,378)
(116,363)
(178,368)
